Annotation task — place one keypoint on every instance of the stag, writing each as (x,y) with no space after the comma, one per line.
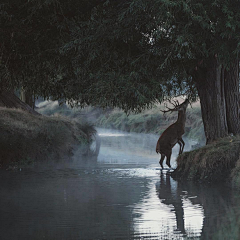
(173,134)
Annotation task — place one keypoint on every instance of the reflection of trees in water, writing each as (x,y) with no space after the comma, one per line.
(216,202)
(68,204)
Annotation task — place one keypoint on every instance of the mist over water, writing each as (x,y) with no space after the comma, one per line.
(126,148)
(121,194)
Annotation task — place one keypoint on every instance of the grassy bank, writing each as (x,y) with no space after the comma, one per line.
(152,121)
(148,121)
(26,138)
(216,162)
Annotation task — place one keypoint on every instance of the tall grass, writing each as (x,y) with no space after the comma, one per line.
(153,121)
(148,121)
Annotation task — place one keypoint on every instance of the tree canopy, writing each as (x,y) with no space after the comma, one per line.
(124,53)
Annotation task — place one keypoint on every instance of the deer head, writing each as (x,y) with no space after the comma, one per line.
(177,106)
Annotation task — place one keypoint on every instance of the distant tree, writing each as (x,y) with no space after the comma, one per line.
(127,53)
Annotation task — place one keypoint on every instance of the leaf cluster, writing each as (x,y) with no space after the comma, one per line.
(128,53)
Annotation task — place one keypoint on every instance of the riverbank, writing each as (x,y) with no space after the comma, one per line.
(27,138)
(148,121)
(215,162)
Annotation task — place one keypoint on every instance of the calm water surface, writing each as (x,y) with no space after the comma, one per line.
(122,194)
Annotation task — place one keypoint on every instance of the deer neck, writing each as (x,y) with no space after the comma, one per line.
(181,118)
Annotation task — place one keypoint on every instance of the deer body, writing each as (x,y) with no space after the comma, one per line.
(173,134)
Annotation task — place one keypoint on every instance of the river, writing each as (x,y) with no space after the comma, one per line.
(123,194)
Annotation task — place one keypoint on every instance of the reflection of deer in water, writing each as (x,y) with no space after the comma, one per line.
(208,202)
(173,134)
(170,194)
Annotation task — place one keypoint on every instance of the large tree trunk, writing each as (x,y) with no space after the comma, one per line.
(210,85)
(231,88)
(10,100)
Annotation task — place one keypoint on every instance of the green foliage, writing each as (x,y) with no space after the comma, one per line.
(127,54)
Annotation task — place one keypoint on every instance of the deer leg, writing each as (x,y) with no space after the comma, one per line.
(168,159)
(183,144)
(161,160)
(180,146)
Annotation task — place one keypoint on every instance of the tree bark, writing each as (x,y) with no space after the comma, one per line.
(210,85)
(231,88)
(10,100)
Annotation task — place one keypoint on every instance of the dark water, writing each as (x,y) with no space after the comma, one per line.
(122,195)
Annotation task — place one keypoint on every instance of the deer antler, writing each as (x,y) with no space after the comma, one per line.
(175,103)
(169,110)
